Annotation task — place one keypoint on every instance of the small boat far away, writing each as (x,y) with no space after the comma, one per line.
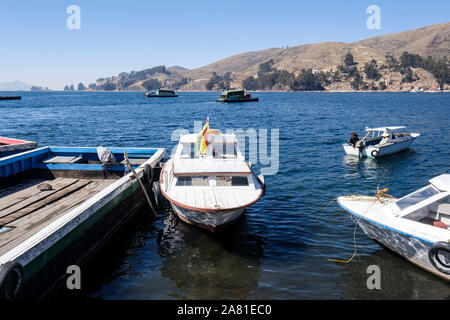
(236,96)
(417,226)
(207,181)
(10,97)
(380,142)
(161,93)
(10,146)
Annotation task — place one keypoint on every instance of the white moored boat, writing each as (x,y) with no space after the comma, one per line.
(416,226)
(381,141)
(209,190)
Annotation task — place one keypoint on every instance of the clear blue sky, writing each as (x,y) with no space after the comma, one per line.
(116,36)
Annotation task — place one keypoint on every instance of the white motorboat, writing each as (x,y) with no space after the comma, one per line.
(416,226)
(381,141)
(209,190)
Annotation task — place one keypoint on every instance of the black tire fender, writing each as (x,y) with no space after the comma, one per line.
(157,193)
(433,255)
(148,175)
(375,153)
(11,279)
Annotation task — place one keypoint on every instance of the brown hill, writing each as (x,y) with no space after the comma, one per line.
(432,40)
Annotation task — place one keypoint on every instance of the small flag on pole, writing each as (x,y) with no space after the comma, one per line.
(204,145)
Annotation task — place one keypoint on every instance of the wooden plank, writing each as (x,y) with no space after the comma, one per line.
(180,196)
(241,196)
(199,199)
(221,199)
(32,194)
(134,162)
(23,185)
(29,225)
(210,200)
(36,205)
(232,202)
(62,159)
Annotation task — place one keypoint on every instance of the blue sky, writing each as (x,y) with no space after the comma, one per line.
(117,36)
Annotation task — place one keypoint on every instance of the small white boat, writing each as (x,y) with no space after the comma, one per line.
(381,141)
(210,190)
(416,226)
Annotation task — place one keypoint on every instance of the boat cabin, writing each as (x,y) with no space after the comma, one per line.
(233,94)
(222,165)
(163,92)
(375,135)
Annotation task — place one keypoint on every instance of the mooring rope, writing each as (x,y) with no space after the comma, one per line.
(381,193)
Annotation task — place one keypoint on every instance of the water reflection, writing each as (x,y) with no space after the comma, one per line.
(399,279)
(223,265)
(372,168)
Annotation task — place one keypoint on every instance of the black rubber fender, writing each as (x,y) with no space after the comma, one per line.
(157,193)
(375,153)
(434,256)
(11,279)
(148,175)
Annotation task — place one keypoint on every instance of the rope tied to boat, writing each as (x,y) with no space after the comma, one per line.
(380,194)
(127,162)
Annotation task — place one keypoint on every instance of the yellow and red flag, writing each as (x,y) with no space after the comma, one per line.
(204,145)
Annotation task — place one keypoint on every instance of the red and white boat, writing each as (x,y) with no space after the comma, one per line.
(10,146)
(209,190)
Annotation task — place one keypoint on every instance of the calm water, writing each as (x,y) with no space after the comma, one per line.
(279,250)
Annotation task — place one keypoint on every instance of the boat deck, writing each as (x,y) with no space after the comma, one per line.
(25,210)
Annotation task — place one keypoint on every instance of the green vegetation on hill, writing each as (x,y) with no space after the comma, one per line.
(218,82)
(270,78)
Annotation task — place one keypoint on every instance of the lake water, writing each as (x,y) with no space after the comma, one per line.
(279,250)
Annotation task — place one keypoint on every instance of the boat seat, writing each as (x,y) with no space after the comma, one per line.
(62,159)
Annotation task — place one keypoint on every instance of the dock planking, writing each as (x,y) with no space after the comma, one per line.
(30,195)
(27,225)
(40,201)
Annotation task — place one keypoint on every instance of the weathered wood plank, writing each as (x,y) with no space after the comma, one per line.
(62,159)
(199,199)
(35,205)
(32,194)
(28,225)
(232,202)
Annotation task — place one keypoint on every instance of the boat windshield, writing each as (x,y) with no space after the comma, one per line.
(200,181)
(416,197)
(234,181)
(436,213)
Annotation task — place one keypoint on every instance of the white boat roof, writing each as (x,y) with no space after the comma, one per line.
(209,167)
(223,138)
(441,182)
(385,128)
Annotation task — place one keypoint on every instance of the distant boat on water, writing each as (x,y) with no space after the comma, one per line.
(161,93)
(10,97)
(236,96)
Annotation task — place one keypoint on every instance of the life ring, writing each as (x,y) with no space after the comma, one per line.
(375,153)
(435,260)
(11,278)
